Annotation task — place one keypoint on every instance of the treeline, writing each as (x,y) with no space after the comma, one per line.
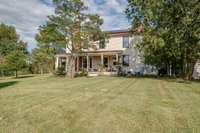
(69,27)
(13,51)
(15,57)
(171,37)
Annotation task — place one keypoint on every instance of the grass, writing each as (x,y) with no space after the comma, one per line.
(46,104)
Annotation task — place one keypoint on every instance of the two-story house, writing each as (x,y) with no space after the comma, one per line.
(119,50)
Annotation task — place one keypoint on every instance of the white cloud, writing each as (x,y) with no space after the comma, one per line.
(112,11)
(25,15)
(28,15)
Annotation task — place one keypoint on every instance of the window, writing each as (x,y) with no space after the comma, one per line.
(125,60)
(102,44)
(125,42)
(90,62)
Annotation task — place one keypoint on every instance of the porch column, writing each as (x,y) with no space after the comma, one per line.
(102,63)
(57,63)
(66,63)
(82,58)
(77,65)
(117,58)
(88,63)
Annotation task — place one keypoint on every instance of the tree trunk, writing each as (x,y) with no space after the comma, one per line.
(41,71)
(71,67)
(16,73)
(183,63)
(189,68)
(51,68)
(2,72)
(170,69)
(76,46)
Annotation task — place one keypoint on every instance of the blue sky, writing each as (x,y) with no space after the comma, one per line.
(28,15)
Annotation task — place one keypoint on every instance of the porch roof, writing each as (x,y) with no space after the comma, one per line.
(94,53)
(109,52)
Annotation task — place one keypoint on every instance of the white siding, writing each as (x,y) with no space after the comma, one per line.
(115,43)
(196,74)
(136,60)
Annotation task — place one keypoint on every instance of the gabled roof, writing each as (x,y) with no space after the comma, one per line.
(117,33)
(61,51)
(126,32)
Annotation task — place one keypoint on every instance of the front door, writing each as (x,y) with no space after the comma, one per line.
(91,62)
(84,62)
(105,61)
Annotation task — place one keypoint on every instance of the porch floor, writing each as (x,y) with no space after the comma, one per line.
(94,74)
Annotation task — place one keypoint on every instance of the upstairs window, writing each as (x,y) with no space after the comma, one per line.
(102,44)
(125,60)
(125,42)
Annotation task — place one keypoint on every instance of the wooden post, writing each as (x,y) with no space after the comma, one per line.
(57,63)
(102,63)
(88,65)
(77,64)
(66,63)
(82,58)
(117,58)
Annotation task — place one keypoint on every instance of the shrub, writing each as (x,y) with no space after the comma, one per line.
(61,71)
(83,73)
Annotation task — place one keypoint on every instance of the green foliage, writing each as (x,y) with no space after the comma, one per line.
(171,32)
(9,42)
(72,27)
(61,71)
(43,60)
(16,60)
(83,73)
(100,67)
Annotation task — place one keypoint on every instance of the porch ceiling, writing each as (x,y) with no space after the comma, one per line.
(94,53)
(98,53)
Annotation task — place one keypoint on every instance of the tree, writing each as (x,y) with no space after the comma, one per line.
(49,41)
(42,60)
(171,33)
(15,60)
(9,42)
(72,27)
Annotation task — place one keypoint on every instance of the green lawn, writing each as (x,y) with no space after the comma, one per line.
(46,104)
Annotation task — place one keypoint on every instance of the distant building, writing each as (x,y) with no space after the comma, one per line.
(196,73)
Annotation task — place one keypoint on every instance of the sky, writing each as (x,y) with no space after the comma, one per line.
(28,15)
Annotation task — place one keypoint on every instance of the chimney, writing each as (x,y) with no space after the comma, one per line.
(140,28)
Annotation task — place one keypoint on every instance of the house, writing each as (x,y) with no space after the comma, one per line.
(118,52)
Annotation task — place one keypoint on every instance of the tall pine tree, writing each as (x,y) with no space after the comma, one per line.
(73,27)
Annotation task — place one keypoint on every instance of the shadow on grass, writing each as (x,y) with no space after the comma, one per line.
(168,79)
(181,81)
(7,84)
(25,76)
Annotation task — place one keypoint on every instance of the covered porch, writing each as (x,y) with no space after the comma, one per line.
(95,63)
